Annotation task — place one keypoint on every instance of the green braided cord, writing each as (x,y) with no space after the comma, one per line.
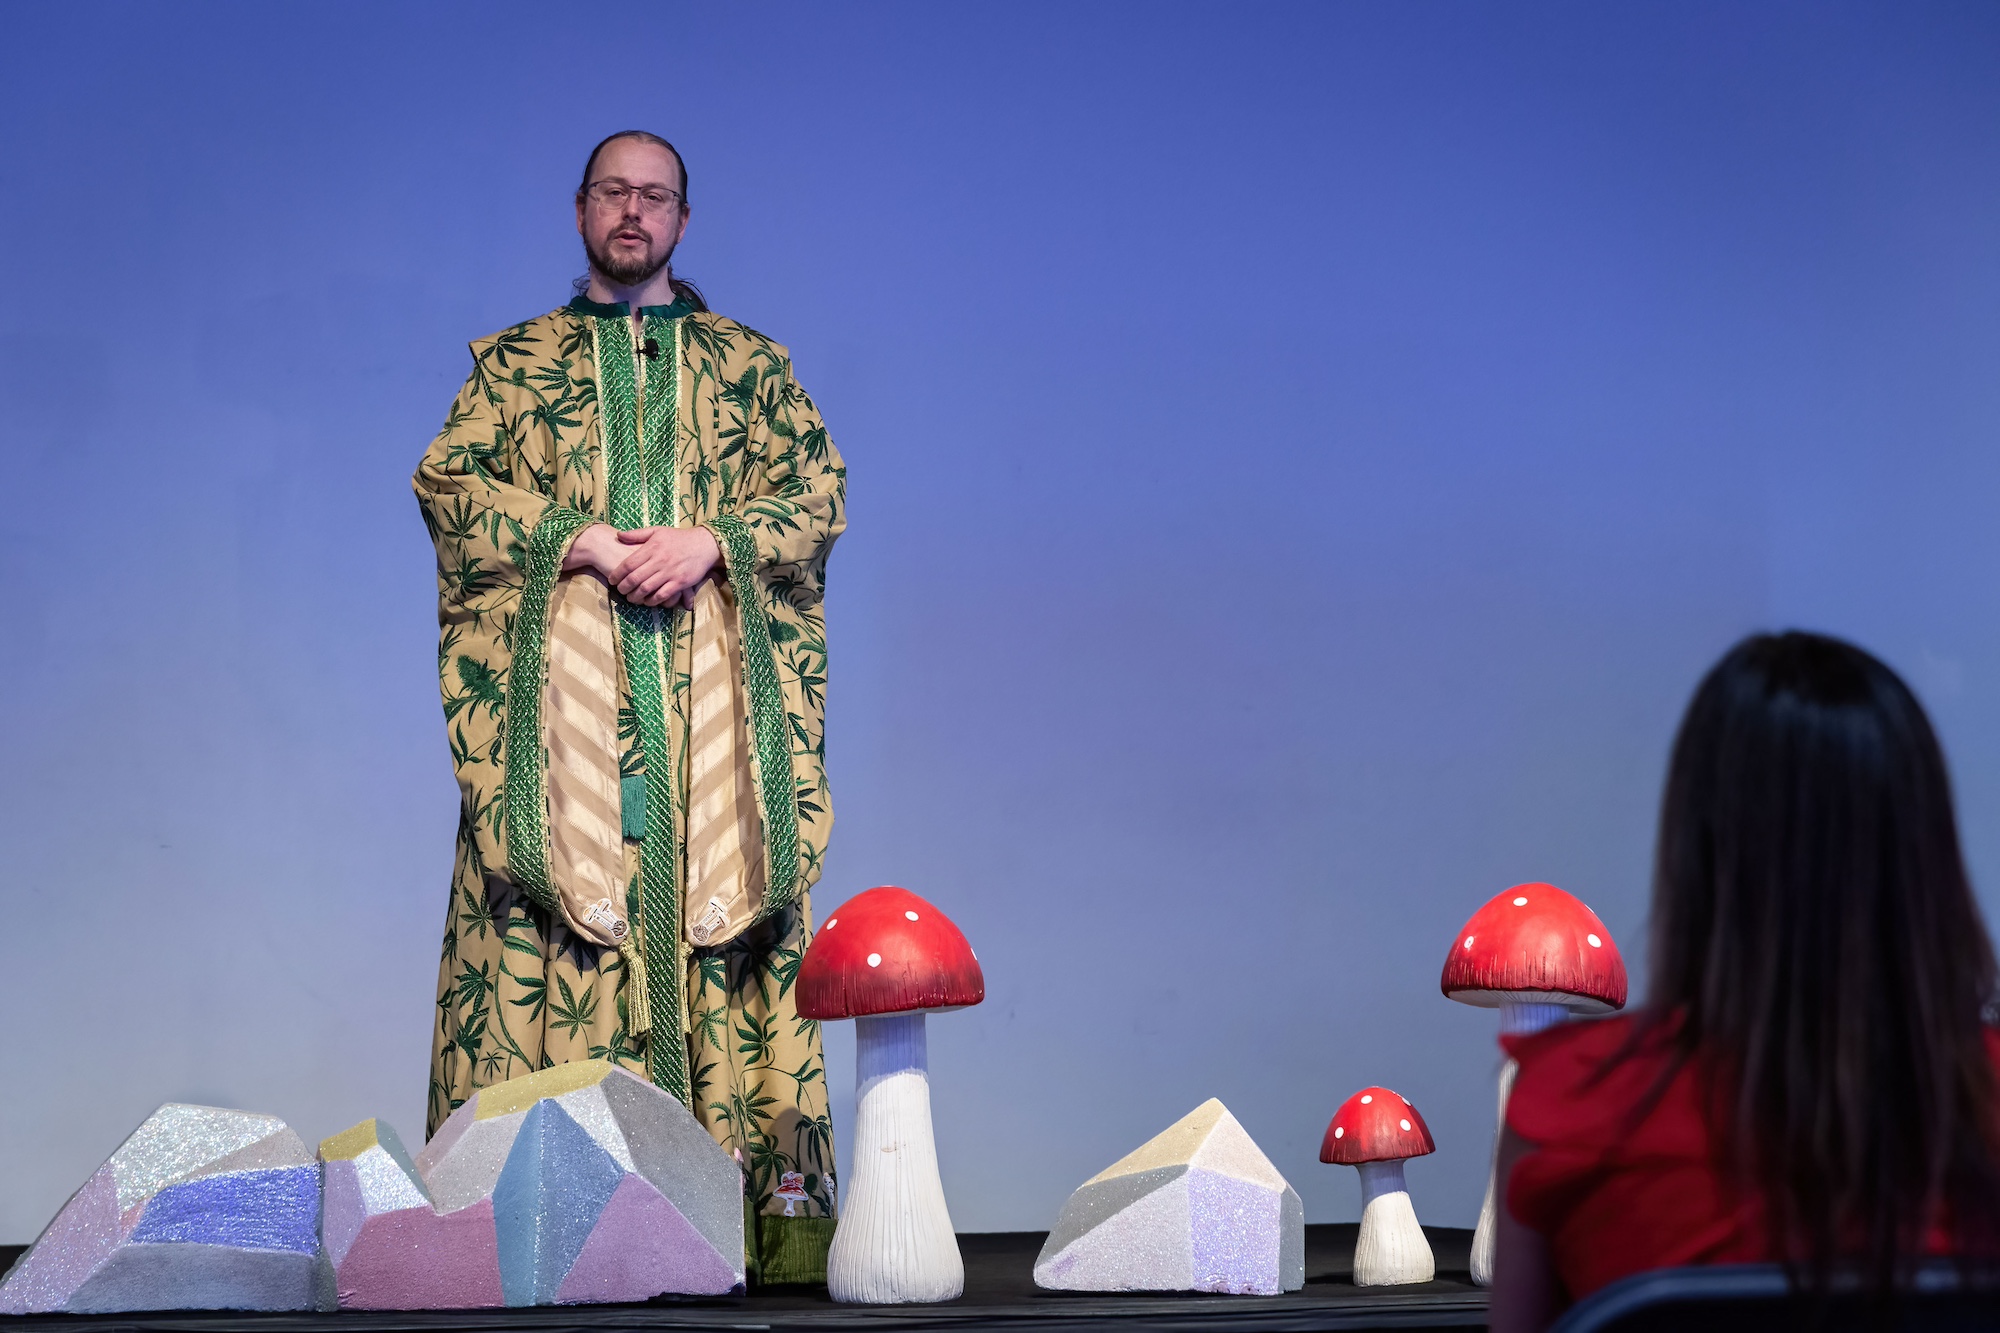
(777,794)
(659,854)
(639,487)
(526,785)
(648,655)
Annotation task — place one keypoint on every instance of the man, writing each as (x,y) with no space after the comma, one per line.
(632,502)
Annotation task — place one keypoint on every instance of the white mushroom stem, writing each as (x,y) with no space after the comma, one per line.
(1391,1248)
(894,1241)
(1515,1016)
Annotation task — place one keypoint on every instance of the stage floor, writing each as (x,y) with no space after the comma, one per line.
(1000,1293)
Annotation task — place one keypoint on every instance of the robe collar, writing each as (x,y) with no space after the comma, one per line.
(583,305)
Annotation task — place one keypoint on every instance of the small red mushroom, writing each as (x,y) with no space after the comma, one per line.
(1375,1125)
(1376,1131)
(885,958)
(1537,955)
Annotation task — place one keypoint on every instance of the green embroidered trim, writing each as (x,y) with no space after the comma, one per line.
(777,794)
(526,785)
(583,305)
(662,426)
(617,408)
(639,470)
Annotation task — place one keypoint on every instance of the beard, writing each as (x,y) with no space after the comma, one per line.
(625,272)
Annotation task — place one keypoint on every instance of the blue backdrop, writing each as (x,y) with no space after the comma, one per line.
(1301,459)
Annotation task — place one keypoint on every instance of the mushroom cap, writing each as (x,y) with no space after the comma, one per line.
(887,951)
(1536,943)
(1375,1125)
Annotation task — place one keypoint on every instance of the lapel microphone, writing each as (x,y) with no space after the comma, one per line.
(650,349)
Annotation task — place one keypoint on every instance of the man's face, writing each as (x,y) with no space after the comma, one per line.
(628,242)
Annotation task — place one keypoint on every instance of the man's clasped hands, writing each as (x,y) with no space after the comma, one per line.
(646,566)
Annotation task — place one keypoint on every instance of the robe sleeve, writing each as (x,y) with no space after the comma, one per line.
(501,540)
(796,505)
(483,521)
(775,538)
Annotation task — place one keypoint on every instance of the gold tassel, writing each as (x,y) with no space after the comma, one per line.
(687,1020)
(638,1008)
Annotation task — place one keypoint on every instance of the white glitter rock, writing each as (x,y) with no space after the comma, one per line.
(1197,1208)
(199,1209)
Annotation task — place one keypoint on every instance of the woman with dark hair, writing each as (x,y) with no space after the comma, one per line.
(1811,1080)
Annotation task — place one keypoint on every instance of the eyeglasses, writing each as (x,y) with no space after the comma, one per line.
(616,194)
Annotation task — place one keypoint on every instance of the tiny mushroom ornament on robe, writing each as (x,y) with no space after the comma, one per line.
(1537,955)
(885,958)
(1375,1131)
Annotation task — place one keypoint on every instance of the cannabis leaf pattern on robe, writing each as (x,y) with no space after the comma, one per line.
(517,470)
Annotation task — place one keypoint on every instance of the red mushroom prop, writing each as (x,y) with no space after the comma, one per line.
(1537,955)
(1376,1131)
(886,958)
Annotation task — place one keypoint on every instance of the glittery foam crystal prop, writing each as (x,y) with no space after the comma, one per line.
(200,1209)
(390,1248)
(587,1183)
(1199,1208)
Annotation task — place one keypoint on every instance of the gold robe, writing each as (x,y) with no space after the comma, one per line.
(567,420)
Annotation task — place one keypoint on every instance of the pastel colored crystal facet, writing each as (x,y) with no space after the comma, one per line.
(390,1249)
(200,1209)
(579,1184)
(1197,1208)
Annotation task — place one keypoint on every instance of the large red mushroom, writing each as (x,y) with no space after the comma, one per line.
(1376,1131)
(885,958)
(1537,955)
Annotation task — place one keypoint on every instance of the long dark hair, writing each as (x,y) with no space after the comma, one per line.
(684,290)
(1816,948)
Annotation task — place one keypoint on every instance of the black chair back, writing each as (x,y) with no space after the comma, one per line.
(1736,1298)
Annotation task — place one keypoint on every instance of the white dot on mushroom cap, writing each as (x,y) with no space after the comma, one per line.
(874,960)
(1367,1099)
(1468,941)
(1339,1132)
(832,921)
(911,915)
(1595,943)
(1404,1123)
(1520,902)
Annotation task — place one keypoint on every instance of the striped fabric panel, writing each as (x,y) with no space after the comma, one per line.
(580,728)
(725,840)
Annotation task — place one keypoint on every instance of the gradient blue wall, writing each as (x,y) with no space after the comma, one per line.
(1301,460)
